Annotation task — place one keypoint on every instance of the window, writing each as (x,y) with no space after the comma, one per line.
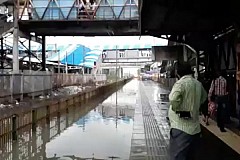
(104,55)
(121,54)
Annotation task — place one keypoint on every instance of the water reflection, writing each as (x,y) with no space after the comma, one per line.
(94,130)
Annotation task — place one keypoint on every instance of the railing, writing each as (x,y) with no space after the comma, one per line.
(20,84)
(60,80)
(76,12)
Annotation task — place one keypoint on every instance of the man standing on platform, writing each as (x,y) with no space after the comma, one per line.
(219,91)
(186,97)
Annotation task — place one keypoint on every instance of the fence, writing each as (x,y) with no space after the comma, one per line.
(20,84)
(61,80)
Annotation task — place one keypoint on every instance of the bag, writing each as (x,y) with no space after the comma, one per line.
(212,108)
(184,114)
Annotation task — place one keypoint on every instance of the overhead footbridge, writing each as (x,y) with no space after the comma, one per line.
(77,17)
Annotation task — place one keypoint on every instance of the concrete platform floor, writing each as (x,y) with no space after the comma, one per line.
(150,138)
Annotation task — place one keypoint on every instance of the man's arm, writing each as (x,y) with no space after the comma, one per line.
(175,97)
(227,86)
(211,91)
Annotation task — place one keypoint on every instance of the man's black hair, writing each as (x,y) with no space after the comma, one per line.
(184,69)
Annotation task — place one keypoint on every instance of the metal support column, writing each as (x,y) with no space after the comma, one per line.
(116,86)
(29,52)
(197,64)
(237,49)
(83,66)
(56,51)
(43,53)
(2,54)
(15,39)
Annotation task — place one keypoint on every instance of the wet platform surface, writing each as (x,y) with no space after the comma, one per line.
(151,130)
(130,124)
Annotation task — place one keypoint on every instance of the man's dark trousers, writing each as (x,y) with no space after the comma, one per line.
(183,146)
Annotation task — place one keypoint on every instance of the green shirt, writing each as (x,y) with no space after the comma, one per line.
(187,95)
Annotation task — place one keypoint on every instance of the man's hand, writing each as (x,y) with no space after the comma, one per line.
(209,99)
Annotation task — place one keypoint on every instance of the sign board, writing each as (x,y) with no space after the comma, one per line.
(160,53)
(128,56)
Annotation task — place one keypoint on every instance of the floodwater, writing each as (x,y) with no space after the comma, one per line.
(96,130)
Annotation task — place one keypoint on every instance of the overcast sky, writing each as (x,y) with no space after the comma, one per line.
(103,40)
(106,40)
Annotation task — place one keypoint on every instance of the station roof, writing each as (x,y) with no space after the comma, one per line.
(188,17)
(173,17)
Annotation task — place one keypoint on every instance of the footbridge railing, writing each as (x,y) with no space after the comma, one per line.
(78,10)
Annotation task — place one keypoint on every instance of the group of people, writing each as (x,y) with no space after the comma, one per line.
(86,7)
(187,97)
